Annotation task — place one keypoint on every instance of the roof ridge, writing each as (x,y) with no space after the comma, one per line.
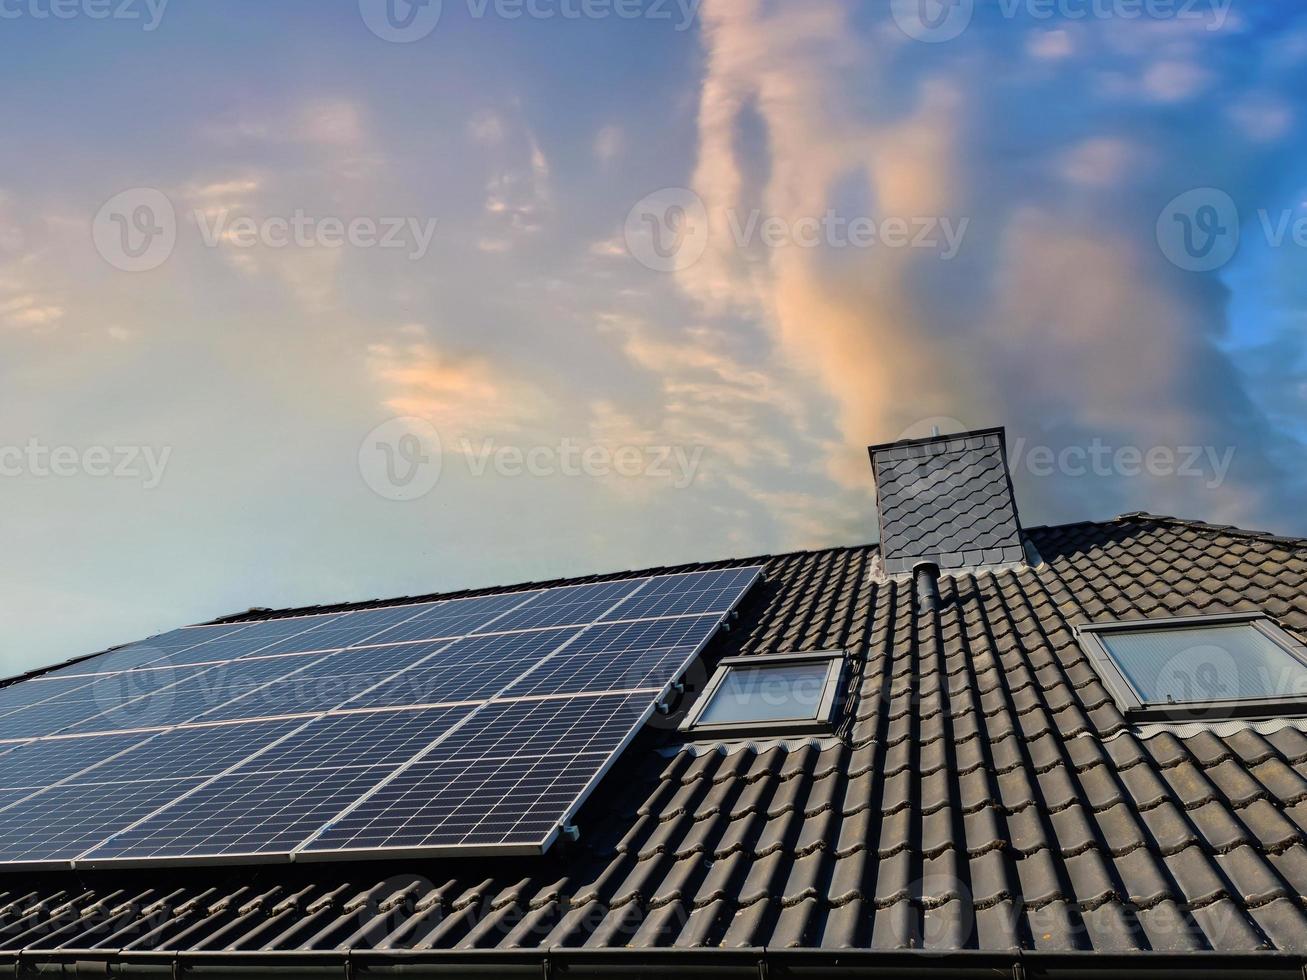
(1140,516)
(258,614)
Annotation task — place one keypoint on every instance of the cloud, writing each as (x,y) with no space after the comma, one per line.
(487,128)
(1263,118)
(1050,45)
(1100,162)
(330,122)
(608,144)
(27,304)
(337,122)
(462,395)
(1060,315)
(518,190)
(1175,81)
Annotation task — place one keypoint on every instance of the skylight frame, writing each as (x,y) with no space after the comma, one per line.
(822,721)
(1138,708)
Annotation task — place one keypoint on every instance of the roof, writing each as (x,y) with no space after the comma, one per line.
(946,500)
(984,802)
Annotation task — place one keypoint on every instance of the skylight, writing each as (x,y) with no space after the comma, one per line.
(759,694)
(1221,665)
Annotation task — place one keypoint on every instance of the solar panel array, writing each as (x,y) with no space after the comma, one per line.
(468,726)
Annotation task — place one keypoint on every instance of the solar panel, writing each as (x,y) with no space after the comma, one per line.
(194,690)
(570,606)
(326,683)
(243,814)
(188,752)
(645,654)
(35,765)
(65,820)
(471,669)
(474,725)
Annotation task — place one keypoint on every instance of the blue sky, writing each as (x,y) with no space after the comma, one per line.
(1008,184)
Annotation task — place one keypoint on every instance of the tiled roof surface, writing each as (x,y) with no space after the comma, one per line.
(983,793)
(947,500)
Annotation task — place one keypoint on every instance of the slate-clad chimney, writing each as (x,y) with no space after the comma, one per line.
(947,500)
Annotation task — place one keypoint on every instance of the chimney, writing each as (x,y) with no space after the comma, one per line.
(946,500)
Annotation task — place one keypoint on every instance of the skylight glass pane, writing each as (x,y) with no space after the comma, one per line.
(787,692)
(1210,663)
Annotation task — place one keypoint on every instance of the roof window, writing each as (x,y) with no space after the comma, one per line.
(791,693)
(1199,667)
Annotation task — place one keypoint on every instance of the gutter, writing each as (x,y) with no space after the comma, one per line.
(760,963)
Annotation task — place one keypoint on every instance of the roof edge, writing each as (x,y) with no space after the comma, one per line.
(634,961)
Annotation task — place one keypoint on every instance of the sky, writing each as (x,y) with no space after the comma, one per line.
(326,300)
